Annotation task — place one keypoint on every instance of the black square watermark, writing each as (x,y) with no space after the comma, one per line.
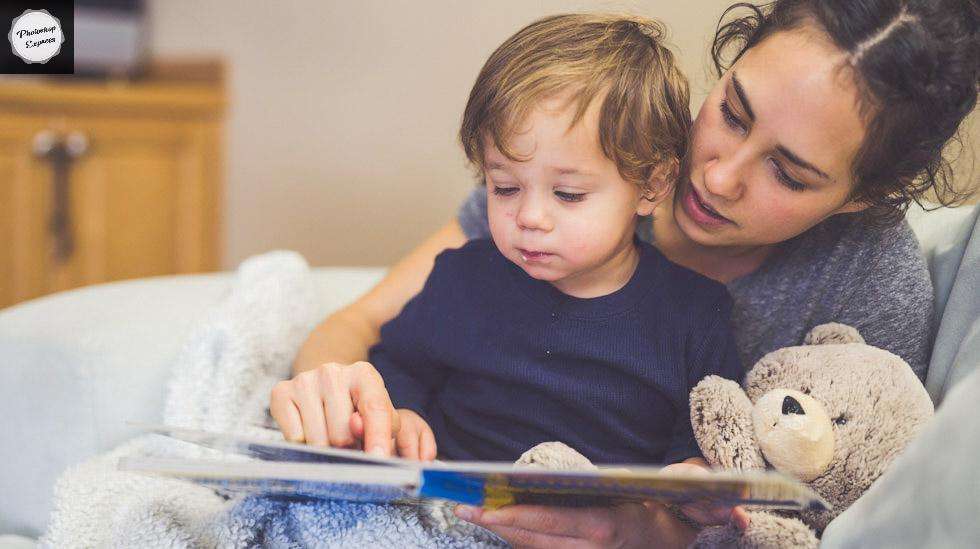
(38,37)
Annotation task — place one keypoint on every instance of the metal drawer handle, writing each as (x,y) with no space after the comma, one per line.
(60,151)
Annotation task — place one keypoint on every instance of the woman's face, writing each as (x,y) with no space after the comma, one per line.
(772,145)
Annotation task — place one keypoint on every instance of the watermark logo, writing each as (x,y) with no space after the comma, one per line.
(36,36)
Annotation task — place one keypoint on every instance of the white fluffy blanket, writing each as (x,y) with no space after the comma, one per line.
(221,382)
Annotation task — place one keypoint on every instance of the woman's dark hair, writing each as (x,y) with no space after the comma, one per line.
(916,63)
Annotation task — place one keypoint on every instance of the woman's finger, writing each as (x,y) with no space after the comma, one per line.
(357,426)
(407,441)
(285,412)
(427,445)
(371,400)
(335,392)
(528,539)
(741,518)
(592,523)
(313,414)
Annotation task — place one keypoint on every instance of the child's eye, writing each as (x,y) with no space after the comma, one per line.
(730,118)
(570,197)
(504,191)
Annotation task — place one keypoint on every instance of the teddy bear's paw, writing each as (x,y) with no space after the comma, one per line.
(554,455)
(712,537)
(772,531)
(721,417)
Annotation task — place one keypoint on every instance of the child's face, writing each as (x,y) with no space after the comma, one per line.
(564,213)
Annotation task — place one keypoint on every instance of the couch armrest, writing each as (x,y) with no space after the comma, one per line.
(75,366)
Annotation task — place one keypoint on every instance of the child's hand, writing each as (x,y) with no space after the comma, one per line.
(703,513)
(317,407)
(414,439)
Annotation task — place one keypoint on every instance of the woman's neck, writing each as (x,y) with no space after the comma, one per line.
(721,263)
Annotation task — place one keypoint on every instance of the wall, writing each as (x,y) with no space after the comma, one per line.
(341,139)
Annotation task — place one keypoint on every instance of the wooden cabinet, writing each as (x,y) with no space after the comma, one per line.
(139,190)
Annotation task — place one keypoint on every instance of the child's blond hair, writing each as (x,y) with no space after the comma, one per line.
(644,119)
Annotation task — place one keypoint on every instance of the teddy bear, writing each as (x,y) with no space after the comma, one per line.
(832,413)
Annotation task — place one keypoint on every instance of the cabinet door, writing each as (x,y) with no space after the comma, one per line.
(25,196)
(142,201)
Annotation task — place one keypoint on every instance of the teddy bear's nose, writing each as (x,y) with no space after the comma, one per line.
(792,406)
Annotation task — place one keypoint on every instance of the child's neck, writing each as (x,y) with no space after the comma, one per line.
(605,279)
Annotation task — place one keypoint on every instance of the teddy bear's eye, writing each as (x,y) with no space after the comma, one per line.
(840,420)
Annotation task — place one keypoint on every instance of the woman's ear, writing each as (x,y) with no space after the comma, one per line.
(658,187)
(852,206)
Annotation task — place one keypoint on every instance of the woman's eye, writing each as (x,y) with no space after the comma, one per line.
(784,177)
(504,191)
(570,197)
(730,118)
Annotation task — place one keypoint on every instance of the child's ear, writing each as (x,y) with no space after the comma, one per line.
(658,187)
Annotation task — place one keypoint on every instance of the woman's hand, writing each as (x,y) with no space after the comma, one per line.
(318,407)
(707,514)
(627,525)
(414,439)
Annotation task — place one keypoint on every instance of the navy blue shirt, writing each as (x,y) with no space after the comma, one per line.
(497,361)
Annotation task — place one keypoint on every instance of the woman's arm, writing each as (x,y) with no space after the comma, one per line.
(346,335)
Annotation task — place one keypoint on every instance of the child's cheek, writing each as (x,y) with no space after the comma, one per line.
(578,246)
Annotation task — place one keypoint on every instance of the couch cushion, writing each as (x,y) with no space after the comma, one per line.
(950,239)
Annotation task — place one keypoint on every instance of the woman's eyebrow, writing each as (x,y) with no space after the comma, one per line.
(740,92)
(790,155)
(800,162)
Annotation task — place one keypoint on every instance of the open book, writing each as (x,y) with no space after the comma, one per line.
(285,469)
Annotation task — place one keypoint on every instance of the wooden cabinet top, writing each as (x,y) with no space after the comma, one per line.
(168,90)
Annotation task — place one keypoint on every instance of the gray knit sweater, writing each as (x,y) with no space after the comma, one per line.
(842,270)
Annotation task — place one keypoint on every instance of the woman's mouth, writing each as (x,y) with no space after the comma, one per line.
(700,211)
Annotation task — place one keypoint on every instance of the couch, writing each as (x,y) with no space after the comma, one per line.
(76,366)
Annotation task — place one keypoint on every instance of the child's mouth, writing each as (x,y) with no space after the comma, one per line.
(530,256)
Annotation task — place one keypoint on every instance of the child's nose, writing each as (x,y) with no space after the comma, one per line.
(533,216)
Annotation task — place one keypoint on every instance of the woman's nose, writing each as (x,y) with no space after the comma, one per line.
(533,215)
(723,177)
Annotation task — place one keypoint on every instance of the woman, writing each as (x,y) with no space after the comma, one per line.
(830,119)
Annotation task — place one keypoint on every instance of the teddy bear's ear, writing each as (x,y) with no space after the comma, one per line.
(832,333)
